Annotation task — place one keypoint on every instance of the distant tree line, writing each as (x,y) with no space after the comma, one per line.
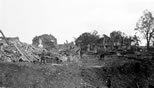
(116,39)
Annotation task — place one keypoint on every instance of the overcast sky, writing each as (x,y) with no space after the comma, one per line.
(66,19)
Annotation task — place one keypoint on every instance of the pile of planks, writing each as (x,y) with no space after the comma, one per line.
(13,50)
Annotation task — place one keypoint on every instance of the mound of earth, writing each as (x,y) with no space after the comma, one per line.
(129,74)
(26,75)
(116,74)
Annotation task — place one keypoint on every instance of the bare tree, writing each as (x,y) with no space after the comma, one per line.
(145,26)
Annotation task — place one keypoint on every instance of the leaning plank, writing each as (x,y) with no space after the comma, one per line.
(24,57)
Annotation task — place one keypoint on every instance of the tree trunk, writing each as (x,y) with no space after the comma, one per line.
(148,45)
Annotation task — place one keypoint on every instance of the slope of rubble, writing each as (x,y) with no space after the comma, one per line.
(15,50)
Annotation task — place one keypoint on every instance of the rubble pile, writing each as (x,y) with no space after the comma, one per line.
(70,50)
(14,50)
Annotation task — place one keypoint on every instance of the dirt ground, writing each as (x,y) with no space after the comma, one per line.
(86,73)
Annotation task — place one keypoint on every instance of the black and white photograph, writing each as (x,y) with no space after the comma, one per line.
(76,43)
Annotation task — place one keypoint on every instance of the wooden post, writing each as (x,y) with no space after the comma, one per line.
(4,37)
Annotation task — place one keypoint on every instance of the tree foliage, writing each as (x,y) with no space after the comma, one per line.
(145,26)
(136,40)
(120,39)
(48,41)
(86,39)
(116,37)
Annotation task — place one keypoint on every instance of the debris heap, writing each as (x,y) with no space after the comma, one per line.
(70,50)
(14,50)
